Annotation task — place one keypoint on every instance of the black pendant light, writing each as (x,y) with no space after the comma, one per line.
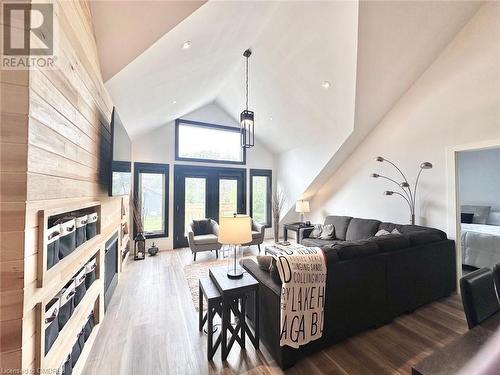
(246,117)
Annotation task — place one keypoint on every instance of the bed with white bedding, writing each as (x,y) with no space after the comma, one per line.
(480,244)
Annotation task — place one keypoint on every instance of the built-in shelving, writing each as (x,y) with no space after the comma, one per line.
(68,335)
(69,264)
(51,281)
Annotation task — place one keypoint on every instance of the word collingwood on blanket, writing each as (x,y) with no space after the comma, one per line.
(303,274)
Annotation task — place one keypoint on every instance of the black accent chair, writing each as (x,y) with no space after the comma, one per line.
(479,298)
(496,275)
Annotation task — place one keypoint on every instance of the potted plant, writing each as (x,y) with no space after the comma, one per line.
(277,208)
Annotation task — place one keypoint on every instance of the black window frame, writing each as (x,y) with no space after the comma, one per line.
(179,122)
(118,166)
(269,191)
(156,168)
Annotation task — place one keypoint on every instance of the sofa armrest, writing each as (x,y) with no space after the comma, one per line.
(263,277)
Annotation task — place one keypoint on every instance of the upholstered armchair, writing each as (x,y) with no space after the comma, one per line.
(203,236)
(258,232)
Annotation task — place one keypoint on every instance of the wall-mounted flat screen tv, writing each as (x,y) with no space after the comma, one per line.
(121,151)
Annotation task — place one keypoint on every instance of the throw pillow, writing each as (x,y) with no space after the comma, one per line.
(466,218)
(382,232)
(328,232)
(316,232)
(264,262)
(273,270)
(201,227)
(395,231)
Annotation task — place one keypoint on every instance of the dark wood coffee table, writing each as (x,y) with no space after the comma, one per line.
(234,295)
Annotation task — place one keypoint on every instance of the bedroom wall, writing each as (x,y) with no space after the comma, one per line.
(456,101)
(158,146)
(479,177)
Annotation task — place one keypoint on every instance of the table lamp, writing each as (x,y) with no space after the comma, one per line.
(302,207)
(234,231)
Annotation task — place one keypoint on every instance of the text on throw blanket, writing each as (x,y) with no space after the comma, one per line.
(302,295)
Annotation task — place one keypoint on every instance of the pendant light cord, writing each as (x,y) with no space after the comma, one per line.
(247,84)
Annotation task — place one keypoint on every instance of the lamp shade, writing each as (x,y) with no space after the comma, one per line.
(235,230)
(302,206)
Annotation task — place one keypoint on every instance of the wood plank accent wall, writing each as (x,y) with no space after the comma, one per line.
(55,151)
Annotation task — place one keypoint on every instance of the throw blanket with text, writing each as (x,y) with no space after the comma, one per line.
(303,273)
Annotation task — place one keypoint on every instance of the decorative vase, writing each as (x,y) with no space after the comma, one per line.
(276,230)
(153,250)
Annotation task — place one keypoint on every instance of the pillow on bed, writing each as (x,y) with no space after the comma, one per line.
(481,213)
(466,218)
(494,218)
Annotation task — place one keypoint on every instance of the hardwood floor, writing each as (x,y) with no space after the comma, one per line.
(151,327)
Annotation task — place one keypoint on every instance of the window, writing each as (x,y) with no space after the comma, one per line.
(151,186)
(261,196)
(197,141)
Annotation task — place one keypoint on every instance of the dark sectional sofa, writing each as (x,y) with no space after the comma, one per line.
(371,280)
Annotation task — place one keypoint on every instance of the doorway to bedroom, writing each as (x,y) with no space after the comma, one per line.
(478,188)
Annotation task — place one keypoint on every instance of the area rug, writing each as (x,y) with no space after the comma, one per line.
(194,271)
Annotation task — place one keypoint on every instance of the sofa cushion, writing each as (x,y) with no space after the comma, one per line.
(418,228)
(361,229)
(331,255)
(355,249)
(391,242)
(423,237)
(340,223)
(202,227)
(317,242)
(206,239)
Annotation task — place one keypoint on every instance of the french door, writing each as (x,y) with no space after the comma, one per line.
(206,192)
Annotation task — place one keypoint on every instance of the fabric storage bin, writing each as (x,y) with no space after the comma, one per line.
(66,306)
(89,326)
(51,323)
(91,227)
(80,287)
(66,368)
(90,272)
(53,235)
(81,340)
(67,240)
(81,230)
(77,349)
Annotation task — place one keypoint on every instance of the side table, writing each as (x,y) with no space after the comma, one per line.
(234,295)
(294,227)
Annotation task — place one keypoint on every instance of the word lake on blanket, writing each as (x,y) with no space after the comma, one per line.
(303,273)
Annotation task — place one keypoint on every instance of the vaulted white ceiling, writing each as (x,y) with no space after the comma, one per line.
(124,29)
(296,46)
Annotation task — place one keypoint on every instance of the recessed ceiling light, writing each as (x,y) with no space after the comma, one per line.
(270,119)
(186,45)
(174,101)
(326,84)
